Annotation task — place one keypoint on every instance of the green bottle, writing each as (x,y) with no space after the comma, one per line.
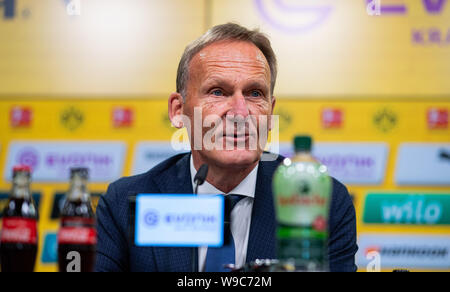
(302,190)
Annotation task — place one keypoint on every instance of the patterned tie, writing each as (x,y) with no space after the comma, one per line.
(217,258)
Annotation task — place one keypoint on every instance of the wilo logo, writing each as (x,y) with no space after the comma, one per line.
(407,209)
(73,7)
(412,211)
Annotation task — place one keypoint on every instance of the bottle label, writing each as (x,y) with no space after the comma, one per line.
(19,230)
(77,230)
(77,221)
(77,235)
(302,196)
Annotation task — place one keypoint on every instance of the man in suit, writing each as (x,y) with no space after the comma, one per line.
(226,77)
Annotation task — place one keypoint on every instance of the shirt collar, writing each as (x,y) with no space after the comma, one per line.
(246,188)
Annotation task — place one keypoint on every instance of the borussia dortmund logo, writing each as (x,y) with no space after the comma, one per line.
(285,119)
(72,118)
(385,120)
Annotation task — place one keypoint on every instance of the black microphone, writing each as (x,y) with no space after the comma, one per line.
(444,155)
(199,179)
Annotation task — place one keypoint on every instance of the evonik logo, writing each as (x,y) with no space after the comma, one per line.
(191,221)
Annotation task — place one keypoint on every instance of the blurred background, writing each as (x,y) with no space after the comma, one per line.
(86,82)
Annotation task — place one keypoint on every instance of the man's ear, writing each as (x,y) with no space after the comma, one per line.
(176,103)
(274,101)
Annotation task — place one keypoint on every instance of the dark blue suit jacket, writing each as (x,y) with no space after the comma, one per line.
(115,252)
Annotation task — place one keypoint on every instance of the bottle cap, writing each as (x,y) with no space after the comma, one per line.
(21,168)
(303,143)
(80,171)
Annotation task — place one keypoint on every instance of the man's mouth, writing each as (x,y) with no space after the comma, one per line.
(237,136)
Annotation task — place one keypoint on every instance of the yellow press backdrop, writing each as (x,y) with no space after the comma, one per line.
(373,89)
(330,48)
(360,122)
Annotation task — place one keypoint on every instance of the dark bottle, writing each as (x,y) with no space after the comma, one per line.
(77,237)
(19,234)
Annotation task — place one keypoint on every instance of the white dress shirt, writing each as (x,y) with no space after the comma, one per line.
(240,216)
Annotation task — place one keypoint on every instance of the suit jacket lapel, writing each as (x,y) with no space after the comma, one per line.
(262,244)
(176,179)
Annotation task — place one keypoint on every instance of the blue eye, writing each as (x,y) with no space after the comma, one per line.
(217,92)
(255,93)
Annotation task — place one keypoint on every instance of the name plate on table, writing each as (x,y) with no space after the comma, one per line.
(179,220)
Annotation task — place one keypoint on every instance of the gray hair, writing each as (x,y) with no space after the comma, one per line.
(229,31)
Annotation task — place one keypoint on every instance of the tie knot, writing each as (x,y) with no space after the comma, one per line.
(230,202)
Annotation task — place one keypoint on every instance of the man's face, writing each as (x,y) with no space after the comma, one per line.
(230,81)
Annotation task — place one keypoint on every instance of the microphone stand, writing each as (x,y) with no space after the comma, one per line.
(199,179)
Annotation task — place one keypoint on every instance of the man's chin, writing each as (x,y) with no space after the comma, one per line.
(235,158)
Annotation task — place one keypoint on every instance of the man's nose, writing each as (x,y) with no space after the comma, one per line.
(239,106)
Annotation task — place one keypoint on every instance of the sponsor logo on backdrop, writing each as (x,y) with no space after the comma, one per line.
(9,7)
(432,35)
(408,209)
(332,118)
(122,117)
(51,161)
(150,154)
(425,35)
(20,117)
(297,17)
(28,156)
(350,163)
(72,8)
(285,119)
(385,120)
(72,118)
(423,164)
(437,118)
(377,7)
(50,250)
(293,17)
(407,252)
(354,163)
